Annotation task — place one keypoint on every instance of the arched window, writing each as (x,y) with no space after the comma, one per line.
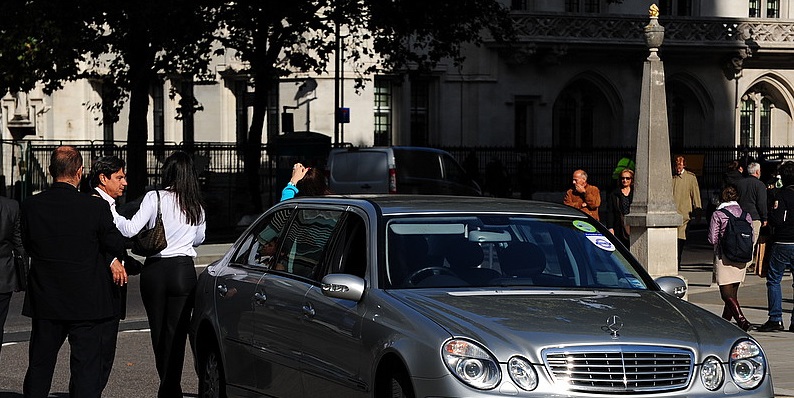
(676,120)
(766,122)
(583,118)
(747,120)
(756,118)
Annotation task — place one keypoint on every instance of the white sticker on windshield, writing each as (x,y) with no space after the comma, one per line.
(601,242)
(584,226)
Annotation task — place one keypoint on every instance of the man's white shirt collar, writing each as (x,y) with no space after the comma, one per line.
(104,195)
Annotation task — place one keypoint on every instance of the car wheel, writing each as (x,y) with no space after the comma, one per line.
(400,386)
(211,379)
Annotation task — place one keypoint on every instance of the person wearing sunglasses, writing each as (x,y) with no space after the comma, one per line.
(619,204)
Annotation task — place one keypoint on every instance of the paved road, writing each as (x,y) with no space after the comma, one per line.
(134,374)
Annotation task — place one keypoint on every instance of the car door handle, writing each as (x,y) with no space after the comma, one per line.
(366,186)
(260,298)
(222,290)
(308,310)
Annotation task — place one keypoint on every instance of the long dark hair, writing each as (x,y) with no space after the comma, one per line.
(313,184)
(179,177)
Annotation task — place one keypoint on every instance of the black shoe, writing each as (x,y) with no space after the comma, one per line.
(771,326)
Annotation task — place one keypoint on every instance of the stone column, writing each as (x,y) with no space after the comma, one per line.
(653,218)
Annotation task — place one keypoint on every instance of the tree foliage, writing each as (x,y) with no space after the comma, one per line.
(278,39)
(131,45)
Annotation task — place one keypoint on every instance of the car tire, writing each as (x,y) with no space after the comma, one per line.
(211,378)
(400,386)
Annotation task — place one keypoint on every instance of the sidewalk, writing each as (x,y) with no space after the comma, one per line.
(696,268)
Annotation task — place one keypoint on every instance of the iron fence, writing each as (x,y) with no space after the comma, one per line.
(551,169)
(531,170)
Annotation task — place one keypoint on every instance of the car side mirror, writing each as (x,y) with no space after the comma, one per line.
(672,285)
(343,286)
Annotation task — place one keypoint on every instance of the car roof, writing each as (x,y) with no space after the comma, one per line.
(381,148)
(437,204)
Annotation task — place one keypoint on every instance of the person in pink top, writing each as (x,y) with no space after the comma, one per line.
(729,275)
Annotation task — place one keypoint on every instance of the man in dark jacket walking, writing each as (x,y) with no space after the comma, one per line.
(752,197)
(10,247)
(781,218)
(67,235)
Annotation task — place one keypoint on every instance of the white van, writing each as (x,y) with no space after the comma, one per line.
(403,170)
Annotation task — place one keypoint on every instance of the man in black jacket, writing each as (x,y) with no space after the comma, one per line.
(10,247)
(67,236)
(781,218)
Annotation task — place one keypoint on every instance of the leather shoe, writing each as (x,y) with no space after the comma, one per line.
(771,326)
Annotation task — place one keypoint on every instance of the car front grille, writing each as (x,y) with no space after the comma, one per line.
(620,368)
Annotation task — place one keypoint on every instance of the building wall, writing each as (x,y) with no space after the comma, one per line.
(498,92)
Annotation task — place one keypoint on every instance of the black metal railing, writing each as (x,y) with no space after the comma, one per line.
(530,170)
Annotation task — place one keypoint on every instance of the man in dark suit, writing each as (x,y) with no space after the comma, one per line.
(68,236)
(108,181)
(10,246)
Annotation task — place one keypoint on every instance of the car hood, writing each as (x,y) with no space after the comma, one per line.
(510,322)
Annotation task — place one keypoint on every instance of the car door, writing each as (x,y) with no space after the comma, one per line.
(236,301)
(333,351)
(280,313)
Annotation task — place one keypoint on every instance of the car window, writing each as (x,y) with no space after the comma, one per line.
(306,240)
(259,247)
(487,251)
(350,248)
(453,171)
(417,164)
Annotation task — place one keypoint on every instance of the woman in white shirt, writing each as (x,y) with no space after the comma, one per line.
(168,278)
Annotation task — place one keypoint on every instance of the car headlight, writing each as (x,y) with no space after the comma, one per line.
(471,364)
(747,364)
(711,373)
(523,373)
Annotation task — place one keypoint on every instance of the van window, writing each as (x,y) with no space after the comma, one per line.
(360,166)
(453,171)
(417,164)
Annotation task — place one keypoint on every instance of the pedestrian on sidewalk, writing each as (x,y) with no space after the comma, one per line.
(782,255)
(729,274)
(752,198)
(582,195)
(619,206)
(168,278)
(686,194)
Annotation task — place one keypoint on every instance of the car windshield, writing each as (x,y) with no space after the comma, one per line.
(505,251)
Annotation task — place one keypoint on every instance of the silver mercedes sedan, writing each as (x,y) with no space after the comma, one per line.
(433,296)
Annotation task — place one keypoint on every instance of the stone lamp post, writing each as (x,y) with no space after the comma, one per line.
(653,218)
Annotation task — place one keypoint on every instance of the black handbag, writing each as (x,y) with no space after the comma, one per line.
(22,268)
(151,241)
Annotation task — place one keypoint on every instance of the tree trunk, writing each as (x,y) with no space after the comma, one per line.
(253,148)
(141,76)
(263,78)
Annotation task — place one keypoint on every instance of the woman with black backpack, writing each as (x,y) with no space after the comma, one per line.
(729,265)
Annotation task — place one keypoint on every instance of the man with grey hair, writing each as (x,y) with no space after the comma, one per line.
(752,197)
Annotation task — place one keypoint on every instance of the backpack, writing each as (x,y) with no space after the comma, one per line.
(736,241)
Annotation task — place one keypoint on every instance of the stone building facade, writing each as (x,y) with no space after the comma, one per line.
(570,79)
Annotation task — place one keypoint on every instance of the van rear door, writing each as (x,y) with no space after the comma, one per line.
(359,171)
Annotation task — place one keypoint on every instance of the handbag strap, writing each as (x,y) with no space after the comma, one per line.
(159,214)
